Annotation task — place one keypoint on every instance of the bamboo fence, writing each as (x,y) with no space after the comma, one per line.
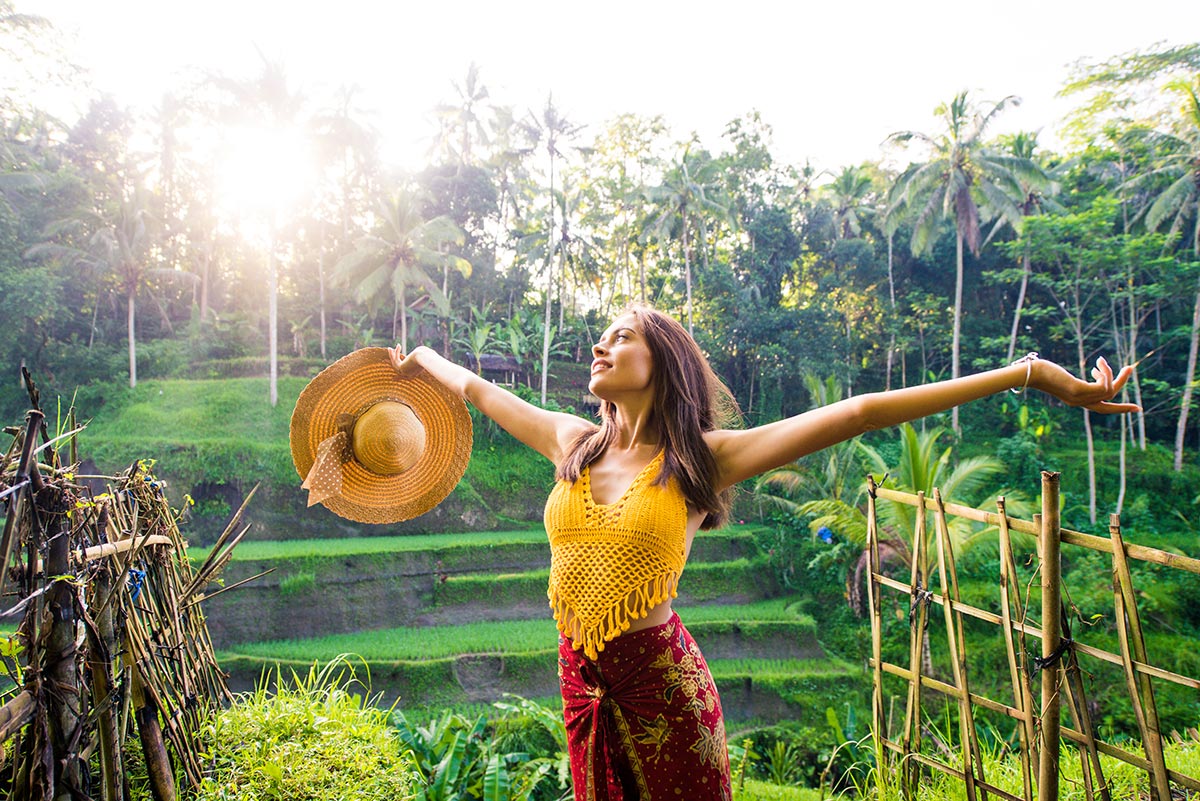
(111,647)
(1040,729)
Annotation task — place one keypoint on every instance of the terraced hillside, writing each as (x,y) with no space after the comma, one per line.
(453,620)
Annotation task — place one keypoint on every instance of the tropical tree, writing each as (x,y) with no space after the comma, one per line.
(963,180)
(1179,204)
(117,247)
(393,260)
(1036,196)
(688,199)
(849,193)
(461,125)
(923,465)
(548,132)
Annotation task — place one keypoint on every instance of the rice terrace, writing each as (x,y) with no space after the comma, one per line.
(284,407)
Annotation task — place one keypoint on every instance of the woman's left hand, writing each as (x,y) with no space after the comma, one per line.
(1095,395)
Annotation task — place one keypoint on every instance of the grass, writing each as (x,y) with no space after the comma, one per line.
(511,636)
(262,550)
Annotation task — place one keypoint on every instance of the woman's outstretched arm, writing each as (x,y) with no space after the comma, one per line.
(747,453)
(549,433)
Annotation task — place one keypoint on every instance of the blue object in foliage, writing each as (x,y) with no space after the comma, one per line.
(135,582)
(825,534)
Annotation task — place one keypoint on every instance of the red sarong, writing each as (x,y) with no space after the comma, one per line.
(644,721)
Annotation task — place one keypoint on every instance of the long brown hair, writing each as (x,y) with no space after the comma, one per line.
(689,400)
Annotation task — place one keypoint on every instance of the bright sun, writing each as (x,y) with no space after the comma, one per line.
(261,173)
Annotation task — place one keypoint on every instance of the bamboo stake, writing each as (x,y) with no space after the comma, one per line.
(1051,638)
(101,643)
(1022,697)
(958,656)
(881,731)
(1089,756)
(916,649)
(1129,628)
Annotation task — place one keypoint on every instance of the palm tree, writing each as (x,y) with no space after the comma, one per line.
(1179,202)
(687,198)
(118,245)
(548,132)
(461,125)
(849,193)
(922,467)
(962,180)
(394,259)
(1036,187)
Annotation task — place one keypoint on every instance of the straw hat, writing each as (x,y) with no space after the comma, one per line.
(375,446)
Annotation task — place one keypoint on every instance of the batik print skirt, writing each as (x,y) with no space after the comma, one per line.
(643,720)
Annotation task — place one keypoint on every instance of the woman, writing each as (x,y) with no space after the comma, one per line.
(642,713)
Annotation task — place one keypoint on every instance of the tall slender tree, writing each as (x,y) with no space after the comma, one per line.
(688,200)
(1179,204)
(961,181)
(395,258)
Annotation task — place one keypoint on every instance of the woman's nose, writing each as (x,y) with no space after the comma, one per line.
(598,349)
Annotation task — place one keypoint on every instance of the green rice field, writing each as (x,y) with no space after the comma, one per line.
(509,637)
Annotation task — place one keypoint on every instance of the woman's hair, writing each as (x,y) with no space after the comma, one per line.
(689,400)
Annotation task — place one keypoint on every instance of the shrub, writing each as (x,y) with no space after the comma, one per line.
(310,738)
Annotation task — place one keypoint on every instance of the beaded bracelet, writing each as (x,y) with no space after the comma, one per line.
(1029,359)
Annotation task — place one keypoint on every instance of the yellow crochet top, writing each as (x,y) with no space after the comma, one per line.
(610,564)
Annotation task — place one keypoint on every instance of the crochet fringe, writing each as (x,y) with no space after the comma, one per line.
(618,618)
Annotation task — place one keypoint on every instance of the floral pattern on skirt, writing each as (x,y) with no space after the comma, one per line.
(644,720)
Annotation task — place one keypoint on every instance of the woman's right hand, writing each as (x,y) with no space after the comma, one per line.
(405,364)
(1095,395)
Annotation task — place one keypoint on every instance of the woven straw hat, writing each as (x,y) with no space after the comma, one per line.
(375,446)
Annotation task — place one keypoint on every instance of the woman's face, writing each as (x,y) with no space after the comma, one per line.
(621,361)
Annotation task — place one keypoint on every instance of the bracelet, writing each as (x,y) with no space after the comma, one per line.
(1029,359)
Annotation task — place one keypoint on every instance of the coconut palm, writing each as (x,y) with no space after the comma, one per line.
(393,260)
(117,246)
(688,199)
(548,132)
(963,180)
(849,193)
(1037,190)
(1179,203)
(460,124)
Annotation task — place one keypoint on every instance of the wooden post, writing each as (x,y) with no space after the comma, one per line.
(1010,596)
(1051,637)
(918,612)
(59,663)
(881,732)
(956,639)
(1133,648)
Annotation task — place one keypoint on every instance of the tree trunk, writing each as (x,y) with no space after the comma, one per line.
(1012,340)
(687,272)
(1087,427)
(956,347)
(129,303)
(273,321)
(891,354)
(321,287)
(1190,376)
(1186,402)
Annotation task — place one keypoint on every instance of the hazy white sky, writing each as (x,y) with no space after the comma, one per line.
(832,78)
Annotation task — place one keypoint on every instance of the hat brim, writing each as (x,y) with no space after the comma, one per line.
(350,386)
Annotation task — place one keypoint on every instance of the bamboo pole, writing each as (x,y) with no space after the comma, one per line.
(1022,695)
(956,639)
(101,645)
(881,731)
(1133,645)
(1089,755)
(916,650)
(1051,638)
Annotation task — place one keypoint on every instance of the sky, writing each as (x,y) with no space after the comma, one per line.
(833,79)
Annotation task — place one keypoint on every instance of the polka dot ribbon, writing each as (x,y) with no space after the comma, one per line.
(324,479)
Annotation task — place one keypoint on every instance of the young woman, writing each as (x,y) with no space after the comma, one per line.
(642,713)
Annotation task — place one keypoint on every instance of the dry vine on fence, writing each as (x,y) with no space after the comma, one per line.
(110,644)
